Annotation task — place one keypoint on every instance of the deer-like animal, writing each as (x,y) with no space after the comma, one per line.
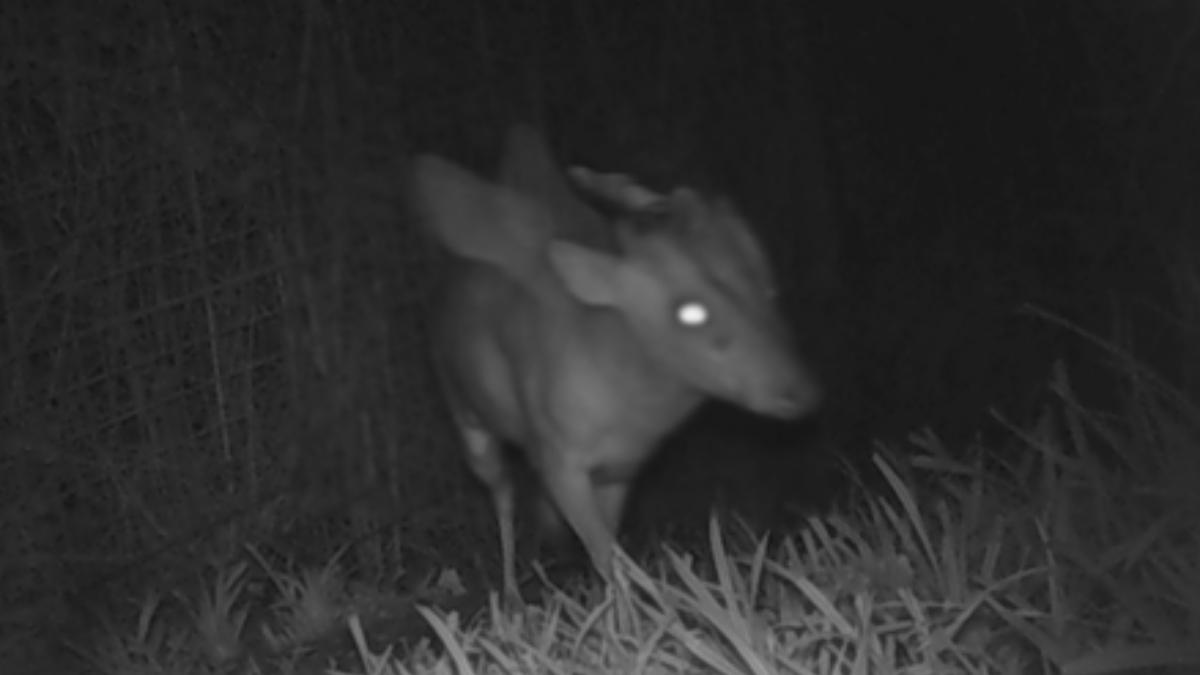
(584,339)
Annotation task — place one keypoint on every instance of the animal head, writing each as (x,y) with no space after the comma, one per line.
(694,285)
(687,275)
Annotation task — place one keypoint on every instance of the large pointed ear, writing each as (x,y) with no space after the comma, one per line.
(472,217)
(718,226)
(530,168)
(591,276)
(745,238)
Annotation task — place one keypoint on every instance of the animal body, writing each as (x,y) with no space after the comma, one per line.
(583,339)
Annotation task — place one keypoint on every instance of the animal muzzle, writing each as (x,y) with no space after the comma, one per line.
(786,389)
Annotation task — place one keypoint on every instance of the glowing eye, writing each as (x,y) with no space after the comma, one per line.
(692,313)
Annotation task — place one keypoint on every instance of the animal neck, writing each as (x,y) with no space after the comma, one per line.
(625,381)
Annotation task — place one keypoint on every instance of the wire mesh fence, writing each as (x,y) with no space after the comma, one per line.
(203,318)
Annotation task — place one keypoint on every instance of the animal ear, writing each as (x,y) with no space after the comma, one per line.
(618,189)
(475,218)
(740,235)
(592,277)
(529,168)
(720,231)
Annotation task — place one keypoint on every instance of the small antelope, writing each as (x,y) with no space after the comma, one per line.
(584,339)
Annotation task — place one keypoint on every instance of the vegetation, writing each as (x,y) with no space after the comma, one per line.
(1070,548)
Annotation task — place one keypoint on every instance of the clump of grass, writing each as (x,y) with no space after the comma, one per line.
(1070,548)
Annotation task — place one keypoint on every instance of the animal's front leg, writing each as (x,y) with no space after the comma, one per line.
(571,488)
(611,498)
(553,532)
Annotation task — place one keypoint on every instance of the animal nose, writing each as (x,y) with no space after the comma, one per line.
(793,396)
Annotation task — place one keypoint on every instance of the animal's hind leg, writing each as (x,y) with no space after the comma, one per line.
(486,458)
